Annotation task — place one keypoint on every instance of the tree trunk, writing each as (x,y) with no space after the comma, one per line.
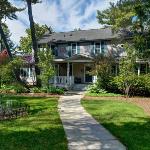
(5,40)
(34,42)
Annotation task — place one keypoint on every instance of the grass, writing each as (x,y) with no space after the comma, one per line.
(102,94)
(124,120)
(40,130)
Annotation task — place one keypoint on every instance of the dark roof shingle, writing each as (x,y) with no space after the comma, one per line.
(81,35)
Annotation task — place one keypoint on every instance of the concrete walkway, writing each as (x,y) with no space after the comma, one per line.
(84,132)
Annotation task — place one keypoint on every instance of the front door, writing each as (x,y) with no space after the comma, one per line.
(88,77)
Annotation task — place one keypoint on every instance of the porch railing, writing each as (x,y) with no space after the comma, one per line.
(62,80)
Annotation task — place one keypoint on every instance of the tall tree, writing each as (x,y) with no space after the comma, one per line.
(131,16)
(33,37)
(8,37)
(6,11)
(26,41)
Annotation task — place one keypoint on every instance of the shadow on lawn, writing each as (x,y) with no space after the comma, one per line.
(40,130)
(33,140)
(136,136)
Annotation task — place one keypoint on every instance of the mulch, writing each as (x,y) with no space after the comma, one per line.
(39,95)
(139,101)
(34,94)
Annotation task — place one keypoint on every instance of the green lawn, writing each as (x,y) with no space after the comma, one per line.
(102,94)
(124,120)
(41,130)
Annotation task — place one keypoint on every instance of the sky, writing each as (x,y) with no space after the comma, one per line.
(61,15)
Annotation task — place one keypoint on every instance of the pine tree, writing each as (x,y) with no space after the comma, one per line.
(6,11)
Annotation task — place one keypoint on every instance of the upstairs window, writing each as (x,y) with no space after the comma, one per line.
(74,48)
(97,48)
(103,44)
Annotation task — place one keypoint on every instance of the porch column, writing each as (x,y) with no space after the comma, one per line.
(55,81)
(138,69)
(58,70)
(29,72)
(68,70)
(94,79)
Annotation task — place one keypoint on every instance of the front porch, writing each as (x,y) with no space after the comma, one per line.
(73,71)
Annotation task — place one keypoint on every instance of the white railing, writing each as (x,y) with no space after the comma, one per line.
(62,80)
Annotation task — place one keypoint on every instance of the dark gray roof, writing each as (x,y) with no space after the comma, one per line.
(81,35)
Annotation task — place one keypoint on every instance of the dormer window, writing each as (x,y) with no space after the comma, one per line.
(74,48)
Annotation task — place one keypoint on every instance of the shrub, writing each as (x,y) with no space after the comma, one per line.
(136,85)
(142,85)
(35,90)
(53,90)
(15,87)
(103,66)
(95,88)
(20,88)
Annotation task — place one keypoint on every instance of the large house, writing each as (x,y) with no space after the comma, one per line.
(75,52)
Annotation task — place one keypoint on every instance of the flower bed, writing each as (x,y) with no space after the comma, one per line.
(12,109)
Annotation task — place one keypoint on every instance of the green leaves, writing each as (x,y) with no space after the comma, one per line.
(118,15)
(7,75)
(46,66)
(8,10)
(26,41)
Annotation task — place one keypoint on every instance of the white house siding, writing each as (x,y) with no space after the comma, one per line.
(85,48)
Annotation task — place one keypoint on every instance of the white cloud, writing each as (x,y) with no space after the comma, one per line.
(17,30)
(63,16)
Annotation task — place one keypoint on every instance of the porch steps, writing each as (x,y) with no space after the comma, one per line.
(80,87)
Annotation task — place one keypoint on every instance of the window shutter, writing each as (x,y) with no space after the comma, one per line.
(56,51)
(103,47)
(78,48)
(92,48)
(69,49)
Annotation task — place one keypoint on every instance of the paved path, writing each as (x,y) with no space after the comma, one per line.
(83,132)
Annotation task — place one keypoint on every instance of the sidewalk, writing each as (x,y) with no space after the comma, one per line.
(84,132)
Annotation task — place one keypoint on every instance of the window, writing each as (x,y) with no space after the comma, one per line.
(143,68)
(54,51)
(103,43)
(115,69)
(24,72)
(97,48)
(31,72)
(74,48)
